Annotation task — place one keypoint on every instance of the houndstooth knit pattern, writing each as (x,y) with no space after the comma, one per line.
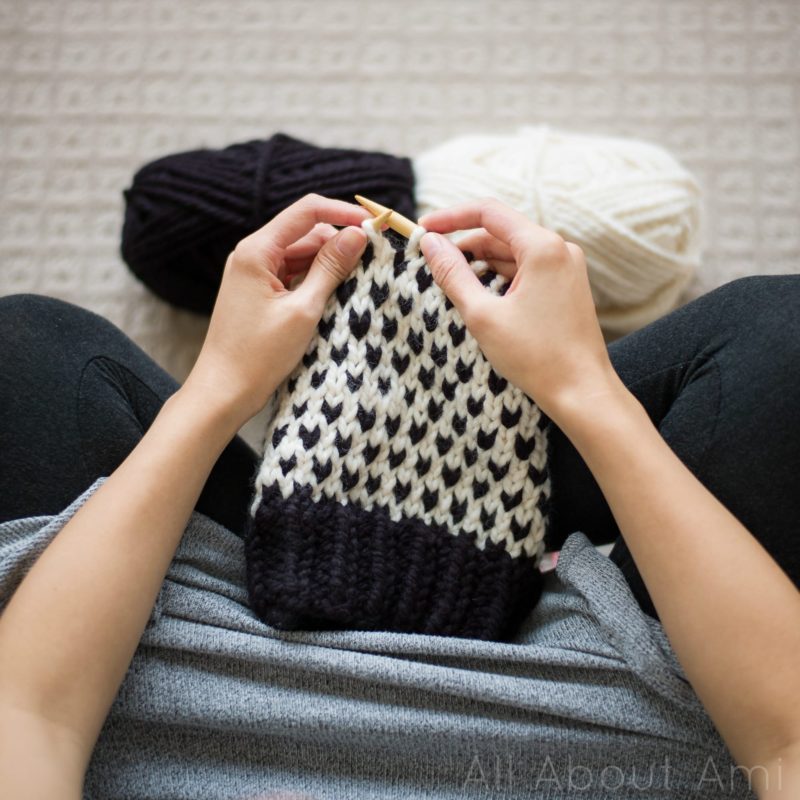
(404,484)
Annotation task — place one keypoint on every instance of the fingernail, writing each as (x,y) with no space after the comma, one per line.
(431,244)
(350,242)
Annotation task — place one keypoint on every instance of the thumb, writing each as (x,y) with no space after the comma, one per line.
(453,274)
(335,260)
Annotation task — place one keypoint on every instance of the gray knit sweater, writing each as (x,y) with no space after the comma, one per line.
(587,702)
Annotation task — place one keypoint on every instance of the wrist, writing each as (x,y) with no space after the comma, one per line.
(214,416)
(578,410)
(228,393)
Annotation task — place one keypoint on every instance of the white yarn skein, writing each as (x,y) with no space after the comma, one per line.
(634,210)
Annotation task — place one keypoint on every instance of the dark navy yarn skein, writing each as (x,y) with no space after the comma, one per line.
(184,213)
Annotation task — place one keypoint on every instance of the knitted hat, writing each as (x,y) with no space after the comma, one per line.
(404,484)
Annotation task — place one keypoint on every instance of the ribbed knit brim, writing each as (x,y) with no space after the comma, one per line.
(321,565)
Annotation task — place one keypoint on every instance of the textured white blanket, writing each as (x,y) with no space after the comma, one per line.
(90,89)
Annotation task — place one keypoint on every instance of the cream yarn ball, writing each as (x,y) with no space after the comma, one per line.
(630,205)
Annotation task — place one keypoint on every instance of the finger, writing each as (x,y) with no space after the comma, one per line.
(333,263)
(298,256)
(499,220)
(296,266)
(452,273)
(299,218)
(311,242)
(576,253)
(295,279)
(485,247)
(508,225)
(297,269)
(508,269)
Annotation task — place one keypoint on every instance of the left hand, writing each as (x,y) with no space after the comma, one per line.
(542,334)
(260,328)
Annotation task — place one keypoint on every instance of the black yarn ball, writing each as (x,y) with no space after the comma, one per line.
(184,213)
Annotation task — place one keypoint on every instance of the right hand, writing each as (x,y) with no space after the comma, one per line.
(543,334)
(260,327)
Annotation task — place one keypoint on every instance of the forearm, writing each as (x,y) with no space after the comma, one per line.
(69,632)
(732,615)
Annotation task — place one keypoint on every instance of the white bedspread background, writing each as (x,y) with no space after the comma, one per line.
(91,89)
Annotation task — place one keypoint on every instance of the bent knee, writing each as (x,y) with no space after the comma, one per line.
(24,308)
(32,324)
(40,313)
(22,312)
(764,305)
(763,314)
(762,292)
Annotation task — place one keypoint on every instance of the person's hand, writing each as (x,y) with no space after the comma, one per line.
(543,334)
(260,327)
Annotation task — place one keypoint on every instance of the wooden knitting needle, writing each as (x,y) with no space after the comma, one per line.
(404,226)
(381,220)
(397,222)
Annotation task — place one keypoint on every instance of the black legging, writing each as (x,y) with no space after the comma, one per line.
(719,377)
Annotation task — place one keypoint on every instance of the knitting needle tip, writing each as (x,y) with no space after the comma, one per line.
(370,205)
(397,222)
(381,220)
